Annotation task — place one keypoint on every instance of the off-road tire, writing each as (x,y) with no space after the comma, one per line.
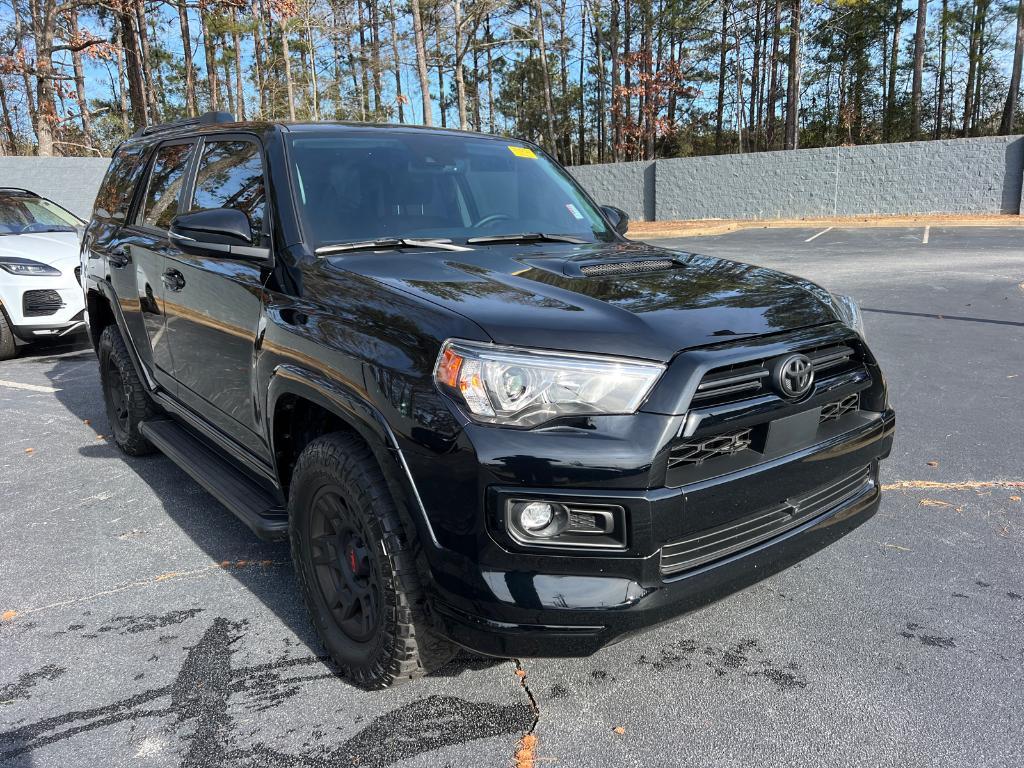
(8,347)
(339,472)
(128,407)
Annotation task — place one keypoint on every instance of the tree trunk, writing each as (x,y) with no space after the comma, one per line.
(76,63)
(918,84)
(602,120)
(972,68)
(613,45)
(460,78)
(133,70)
(258,66)
(211,63)
(190,70)
(491,125)
(773,86)
(941,98)
(236,39)
(146,61)
(19,42)
(549,106)
(399,97)
(894,60)
(286,54)
(793,84)
(12,137)
(314,80)
(723,45)
(1010,108)
(755,84)
(421,63)
(441,101)
(583,90)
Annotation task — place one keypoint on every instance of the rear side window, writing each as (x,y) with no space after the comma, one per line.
(165,180)
(115,195)
(230,175)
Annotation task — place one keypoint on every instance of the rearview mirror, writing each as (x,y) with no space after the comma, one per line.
(617,217)
(217,232)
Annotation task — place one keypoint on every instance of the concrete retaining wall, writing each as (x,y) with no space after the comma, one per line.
(70,181)
(981,175)
(955,176)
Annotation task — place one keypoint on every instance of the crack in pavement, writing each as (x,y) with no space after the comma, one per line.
(526,750)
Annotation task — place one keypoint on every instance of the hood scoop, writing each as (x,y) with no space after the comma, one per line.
(628,267)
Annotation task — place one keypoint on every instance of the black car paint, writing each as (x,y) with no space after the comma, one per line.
(358,334)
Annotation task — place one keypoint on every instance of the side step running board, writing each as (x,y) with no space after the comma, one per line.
(254,505)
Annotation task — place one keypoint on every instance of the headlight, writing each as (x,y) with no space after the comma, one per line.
(27,267)
(525,387)
(849,312)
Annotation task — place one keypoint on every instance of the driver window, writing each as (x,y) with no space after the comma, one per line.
(230,175)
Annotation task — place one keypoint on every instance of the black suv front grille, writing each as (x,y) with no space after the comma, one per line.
(695,452)
(39,303)
(715,543)
(750,379)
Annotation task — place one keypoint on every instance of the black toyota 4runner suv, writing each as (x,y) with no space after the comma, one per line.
(481,415)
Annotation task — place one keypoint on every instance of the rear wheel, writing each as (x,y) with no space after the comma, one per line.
(355,566)
(128,405)
(8,348)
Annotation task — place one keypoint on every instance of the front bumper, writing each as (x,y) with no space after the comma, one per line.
(61,315)
(508,603)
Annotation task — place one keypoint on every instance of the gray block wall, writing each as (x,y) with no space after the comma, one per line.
(978,175)
(69,181)
(629,186)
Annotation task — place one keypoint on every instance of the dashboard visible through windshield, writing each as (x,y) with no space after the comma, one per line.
(368,185)
(20,214)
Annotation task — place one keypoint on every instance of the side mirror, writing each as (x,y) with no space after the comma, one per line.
(217,232)
(617,217)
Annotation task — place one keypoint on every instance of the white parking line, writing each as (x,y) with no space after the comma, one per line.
(29,387)
(812,237)
(924,240)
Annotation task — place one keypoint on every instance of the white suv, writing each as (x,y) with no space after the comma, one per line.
(40,292)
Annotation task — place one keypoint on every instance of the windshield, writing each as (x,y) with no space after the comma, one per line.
(20,215)
(366,185)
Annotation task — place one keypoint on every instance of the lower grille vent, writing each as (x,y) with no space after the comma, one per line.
(39,303)
(627,267)
(715,543)
(698,451)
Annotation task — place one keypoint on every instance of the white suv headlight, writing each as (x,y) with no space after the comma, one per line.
(849,312)
(27,267)
(526,387)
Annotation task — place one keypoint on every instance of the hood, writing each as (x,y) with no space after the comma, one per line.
(628,299)
(58,249)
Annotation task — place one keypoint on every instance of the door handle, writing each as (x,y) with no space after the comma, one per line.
(173,279)
(120,257)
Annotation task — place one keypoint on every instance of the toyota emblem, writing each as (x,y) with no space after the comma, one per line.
(793,375)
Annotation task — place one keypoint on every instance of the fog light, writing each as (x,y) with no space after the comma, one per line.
(539,519)
(536,515)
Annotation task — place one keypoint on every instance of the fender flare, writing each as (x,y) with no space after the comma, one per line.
(361,416)
(106,290)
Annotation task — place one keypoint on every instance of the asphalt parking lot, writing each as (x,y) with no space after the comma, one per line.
(141,624)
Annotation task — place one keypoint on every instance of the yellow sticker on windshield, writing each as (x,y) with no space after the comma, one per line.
(522,152)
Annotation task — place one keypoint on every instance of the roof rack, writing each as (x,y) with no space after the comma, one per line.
(207,118)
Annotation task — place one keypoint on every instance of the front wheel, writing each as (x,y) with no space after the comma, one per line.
(355,566)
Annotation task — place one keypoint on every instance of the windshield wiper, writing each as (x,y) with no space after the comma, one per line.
(526,237)
(389,243)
